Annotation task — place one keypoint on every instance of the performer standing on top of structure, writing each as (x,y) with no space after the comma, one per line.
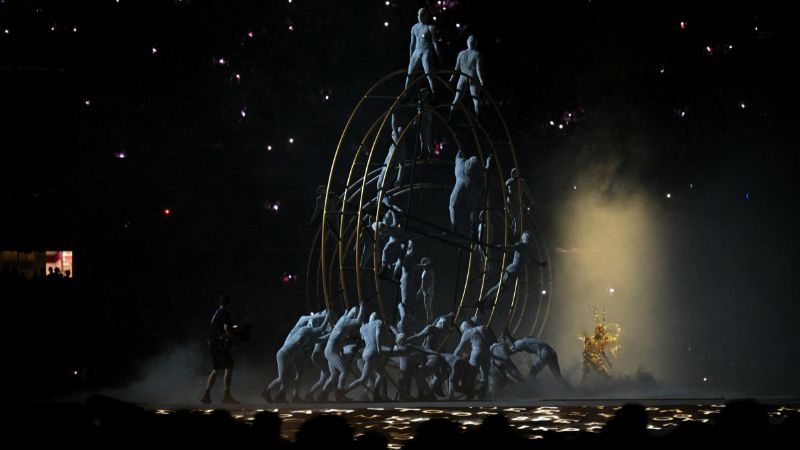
(469,64)
(423,47)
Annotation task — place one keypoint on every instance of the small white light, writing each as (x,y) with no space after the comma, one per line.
(269,148)
(730,46)
(74,29)
(458,25)
(250,34)
(291,28)
(327,98)
(388,3)
(612,291)
(691,185)
(221,61)
(574,188)
(561,126)
(386,24)
(74,372)
(53,28)
(243,113)
(544,292)
(755,28)
(87,102)
(669,195)
(6,31)
(238,77)
(705,379)
(434,18)
(552,124)
(742,105)
(291,140)
(154,50)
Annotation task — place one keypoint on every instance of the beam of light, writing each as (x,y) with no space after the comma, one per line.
(625,242)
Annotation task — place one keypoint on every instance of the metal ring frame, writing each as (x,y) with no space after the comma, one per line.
(345,203)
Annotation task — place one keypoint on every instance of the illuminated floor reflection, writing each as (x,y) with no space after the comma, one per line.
(398,423)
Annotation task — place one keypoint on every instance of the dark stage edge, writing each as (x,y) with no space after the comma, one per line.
(571,402)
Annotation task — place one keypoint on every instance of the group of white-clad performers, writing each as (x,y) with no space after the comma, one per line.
(361,346)
(355,351)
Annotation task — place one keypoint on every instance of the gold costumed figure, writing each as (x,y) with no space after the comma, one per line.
(605,338)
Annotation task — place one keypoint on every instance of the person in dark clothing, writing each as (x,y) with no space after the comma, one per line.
(219,343)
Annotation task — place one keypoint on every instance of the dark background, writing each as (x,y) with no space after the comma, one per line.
(640,88)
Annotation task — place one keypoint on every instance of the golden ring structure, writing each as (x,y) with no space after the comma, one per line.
(335,274)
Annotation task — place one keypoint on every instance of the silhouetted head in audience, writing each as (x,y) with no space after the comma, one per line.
(325,432)
(629,423)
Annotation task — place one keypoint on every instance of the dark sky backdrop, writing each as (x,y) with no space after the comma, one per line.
(706,113)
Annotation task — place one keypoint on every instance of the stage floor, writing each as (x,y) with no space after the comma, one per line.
(398,420)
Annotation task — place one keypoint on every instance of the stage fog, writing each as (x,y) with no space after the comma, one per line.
(701,290)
